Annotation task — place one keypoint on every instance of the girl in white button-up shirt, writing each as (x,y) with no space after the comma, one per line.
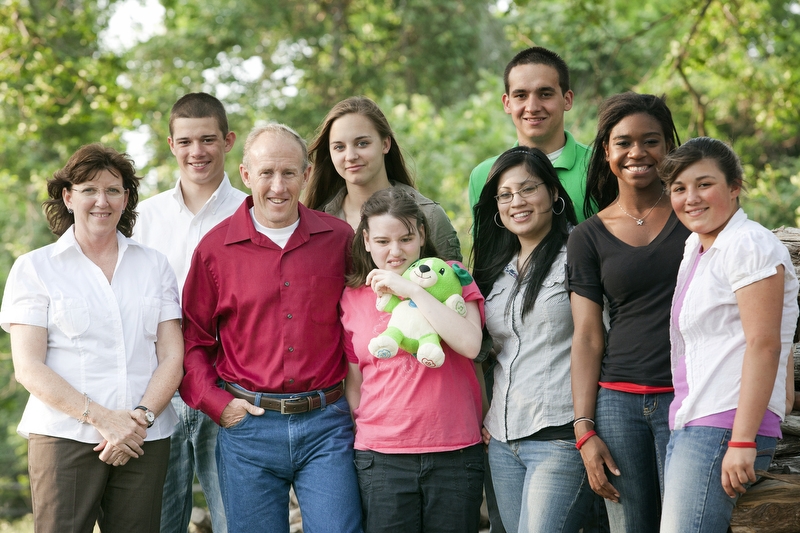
(96,340)
(733,318)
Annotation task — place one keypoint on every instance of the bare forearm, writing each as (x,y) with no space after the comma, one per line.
(167,376)
(760,308)
(759,370)
(588,346)
(29,350)
(585,373)
(162,386)
(462,333)
(52,390)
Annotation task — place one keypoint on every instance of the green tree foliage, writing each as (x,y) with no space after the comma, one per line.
(291,61)
(435,67)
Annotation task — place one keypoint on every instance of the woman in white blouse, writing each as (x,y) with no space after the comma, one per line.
(733,317)
(96,340)
(522,221)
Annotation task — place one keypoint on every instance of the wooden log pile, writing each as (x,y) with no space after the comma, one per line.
(773,504)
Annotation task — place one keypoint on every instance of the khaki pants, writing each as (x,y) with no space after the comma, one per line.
(71,488)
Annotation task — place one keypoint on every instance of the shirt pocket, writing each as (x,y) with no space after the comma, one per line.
(495,303)
(71,316)
(553,286)
(321,295)
(151,312)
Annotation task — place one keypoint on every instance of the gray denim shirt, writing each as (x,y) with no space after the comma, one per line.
(532,378)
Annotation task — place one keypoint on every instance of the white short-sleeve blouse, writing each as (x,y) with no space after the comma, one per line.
(100,336)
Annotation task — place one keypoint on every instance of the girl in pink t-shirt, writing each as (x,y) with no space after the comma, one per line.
(418,446)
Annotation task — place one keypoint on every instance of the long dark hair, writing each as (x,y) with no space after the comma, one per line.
(495,245)
(325,182)
(83,166)
(601,184)
(403,207)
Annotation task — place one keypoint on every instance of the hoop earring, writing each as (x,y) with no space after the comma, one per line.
(563,206)
(498,224)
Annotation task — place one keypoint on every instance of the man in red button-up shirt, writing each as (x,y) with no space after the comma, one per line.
(261,315)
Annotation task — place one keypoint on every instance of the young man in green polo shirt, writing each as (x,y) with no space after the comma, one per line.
(537,96)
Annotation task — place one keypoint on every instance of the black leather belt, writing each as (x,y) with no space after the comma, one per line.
(289,406)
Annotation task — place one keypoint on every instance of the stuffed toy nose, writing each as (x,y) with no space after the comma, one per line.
(424,268)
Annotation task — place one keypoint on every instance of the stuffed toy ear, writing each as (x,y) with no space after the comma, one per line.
(463,276)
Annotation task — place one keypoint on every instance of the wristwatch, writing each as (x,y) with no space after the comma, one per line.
(148,414)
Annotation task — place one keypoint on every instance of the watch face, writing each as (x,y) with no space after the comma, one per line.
(149,416)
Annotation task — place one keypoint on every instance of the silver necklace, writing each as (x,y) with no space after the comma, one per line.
(640,221)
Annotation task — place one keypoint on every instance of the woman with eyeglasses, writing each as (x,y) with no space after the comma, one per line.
(522,220)
(95,338)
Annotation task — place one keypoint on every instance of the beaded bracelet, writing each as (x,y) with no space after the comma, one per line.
(741,444)
(85,416)
(588,435)
(582,419)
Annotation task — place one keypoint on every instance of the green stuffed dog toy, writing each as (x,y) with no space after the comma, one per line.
(408,328)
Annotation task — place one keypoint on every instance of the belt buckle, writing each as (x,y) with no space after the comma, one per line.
(283,406)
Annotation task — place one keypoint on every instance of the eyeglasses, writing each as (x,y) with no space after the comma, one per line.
(93,192)
(525,192)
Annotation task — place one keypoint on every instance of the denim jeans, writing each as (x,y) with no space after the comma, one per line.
(541,486)
(694,499)
(262,456)
(635,427)
(192,447)
(495,522)
(438,492)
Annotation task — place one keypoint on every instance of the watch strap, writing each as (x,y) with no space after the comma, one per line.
(147,412)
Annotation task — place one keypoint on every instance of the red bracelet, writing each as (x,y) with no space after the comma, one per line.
(586,436)
(741,444)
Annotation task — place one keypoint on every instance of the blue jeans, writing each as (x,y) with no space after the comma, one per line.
(438,492)
(635,427)
(192,447)
(541,486)
(262,456)
(694,499)
(495,522)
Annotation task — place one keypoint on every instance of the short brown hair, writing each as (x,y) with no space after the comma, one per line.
(537,55)
(199,105)
(696,150)
(83,166)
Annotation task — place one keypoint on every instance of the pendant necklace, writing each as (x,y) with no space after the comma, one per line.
(640,221)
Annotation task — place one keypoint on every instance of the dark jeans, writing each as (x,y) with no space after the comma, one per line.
(432,492)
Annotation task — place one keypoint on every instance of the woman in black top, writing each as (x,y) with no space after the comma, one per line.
(626,256)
